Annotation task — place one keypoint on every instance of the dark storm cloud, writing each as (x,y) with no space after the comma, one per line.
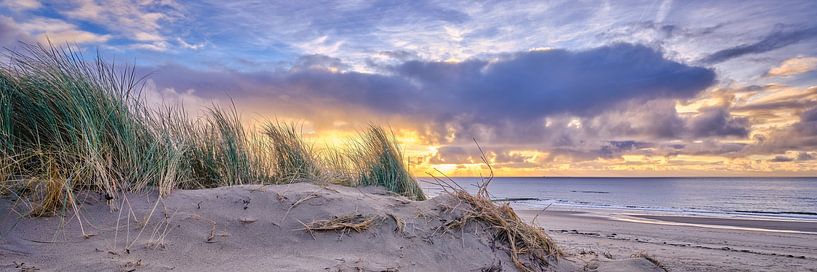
(524,86)
(799,136)
(807,127)
(809,115)
(777,39)
(655,119)
(614,148)
(534,84)
(718,123)
(311,82)
(500,101)
(627,145)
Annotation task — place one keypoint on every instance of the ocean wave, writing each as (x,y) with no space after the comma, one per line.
(540,204)
(778,212)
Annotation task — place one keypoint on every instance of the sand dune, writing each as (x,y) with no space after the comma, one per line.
(255,228)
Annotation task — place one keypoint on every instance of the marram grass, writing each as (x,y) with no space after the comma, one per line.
(294,159)
(70,124)
(379,161)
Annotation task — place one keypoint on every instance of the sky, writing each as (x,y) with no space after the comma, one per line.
(547,88)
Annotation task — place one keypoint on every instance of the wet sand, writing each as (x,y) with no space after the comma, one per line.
(761,224)
(683,243)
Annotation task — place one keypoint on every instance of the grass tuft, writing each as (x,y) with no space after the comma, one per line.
(523,240)
(68,123)
(293,158)
(72,122)
(379,161)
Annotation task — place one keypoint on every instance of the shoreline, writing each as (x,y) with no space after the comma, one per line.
(768,216)
(683,243)
(794,226)
(720,221)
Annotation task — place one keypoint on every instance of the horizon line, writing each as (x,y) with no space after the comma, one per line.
(633,177)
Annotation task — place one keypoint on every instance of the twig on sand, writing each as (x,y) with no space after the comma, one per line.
(212,234)
(344,224)
(533,221)
(400,224)
(116,230)
(76,212)
(303,199)
(147,220)
(247,220)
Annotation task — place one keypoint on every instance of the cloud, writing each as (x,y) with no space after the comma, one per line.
(192,46)
(597,103)
(801,135)
(10,32)
(139,21)
(510,96)
(531,85)
(21,5)
(454,154)
(781,158)
(169,97)
(319,62)
(718,123)
(777,39)
(779,98)
(654,119)
(498,156)
(794,66)
(663,11)
(44,30)
(615,148)
(809,115)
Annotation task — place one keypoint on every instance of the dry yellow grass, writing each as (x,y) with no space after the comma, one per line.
(523,240)
(344,223)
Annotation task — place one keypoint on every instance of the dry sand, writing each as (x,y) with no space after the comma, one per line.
(255,228)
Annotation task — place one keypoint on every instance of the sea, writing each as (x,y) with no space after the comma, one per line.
(787,198)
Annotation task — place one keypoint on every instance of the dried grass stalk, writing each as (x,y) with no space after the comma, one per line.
(344,223)
(522,239)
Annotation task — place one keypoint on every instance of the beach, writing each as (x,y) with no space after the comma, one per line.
(385,136)
(685,243)
(251,228)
